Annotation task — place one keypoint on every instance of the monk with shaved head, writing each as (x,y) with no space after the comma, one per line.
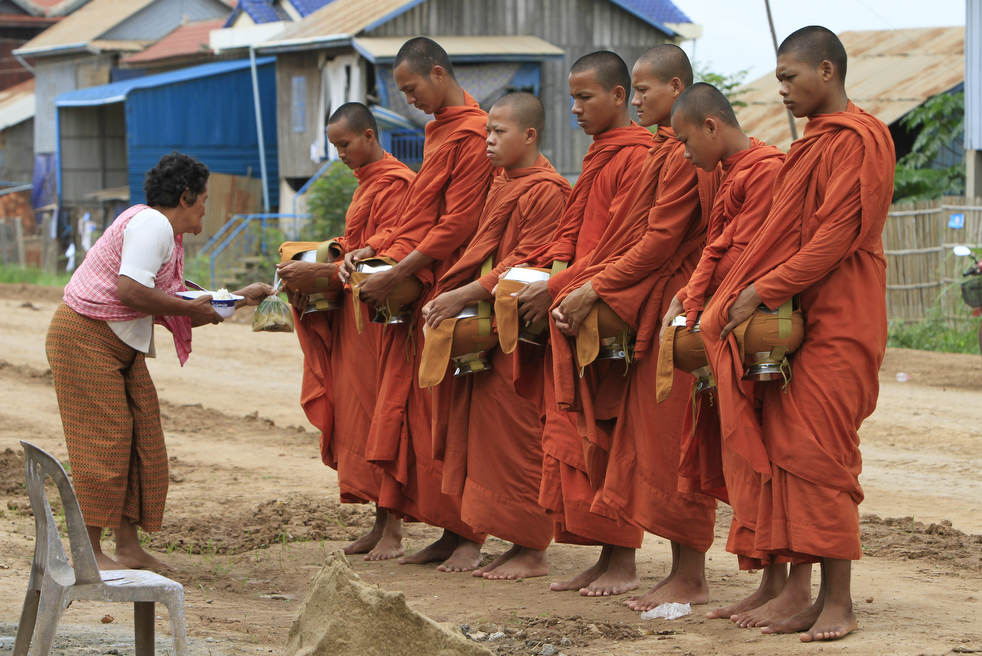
(821,247)
(437,220)
(632,443)
(486,432)
(704,121)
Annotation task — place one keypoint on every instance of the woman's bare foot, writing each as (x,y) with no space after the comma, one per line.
(465,557)
(620,576)
(586,577)
(525,563)
(676,588)
(771,584)
(834,622)
(389,545)
(103,561)
(136,558)
(435,552)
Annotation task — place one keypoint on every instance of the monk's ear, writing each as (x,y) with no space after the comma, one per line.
(677,86)
(826,70)
(620,94)
(531,136)
(438,73)
(711,125)
(370,135)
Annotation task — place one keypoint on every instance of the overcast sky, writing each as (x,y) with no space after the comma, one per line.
(736,36)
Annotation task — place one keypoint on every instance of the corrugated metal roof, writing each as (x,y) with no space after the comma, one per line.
(189,39)
(655,12)
(117,91)
(889,73)
(382,50)
(307,7)
(16,104)
(85,25)
(344,18)
(261,11)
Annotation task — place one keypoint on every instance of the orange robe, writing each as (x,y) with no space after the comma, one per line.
(633,463)
(339,376)
(822,242)
(487,431)
(611,167)
(439,217)
(739,208)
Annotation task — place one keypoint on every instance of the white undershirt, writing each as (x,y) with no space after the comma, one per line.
(148,243)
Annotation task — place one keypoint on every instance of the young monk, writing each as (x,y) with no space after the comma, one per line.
(598,83)
(821,242)
(704,122)
(636,270)
(339,379)
(492,449)
(437,219)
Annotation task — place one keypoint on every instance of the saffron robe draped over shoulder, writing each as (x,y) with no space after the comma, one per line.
(486,431)
(822,242)
(339,374)
(438,218)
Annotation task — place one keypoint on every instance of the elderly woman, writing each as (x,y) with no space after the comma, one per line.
(97,344)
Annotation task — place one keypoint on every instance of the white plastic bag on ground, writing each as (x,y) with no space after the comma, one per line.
(670,611)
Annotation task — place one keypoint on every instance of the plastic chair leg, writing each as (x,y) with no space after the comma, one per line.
(50,608)
(143,623)
(28,618)
(178,627)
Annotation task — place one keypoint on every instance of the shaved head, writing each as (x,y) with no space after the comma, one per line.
(609,69)
(422,54)
(702,100)
(813,45)
(356,116)
(526,110)
(667,61)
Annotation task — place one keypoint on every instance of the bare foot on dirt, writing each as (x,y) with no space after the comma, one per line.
(794,598)
(435,552)
(674,588)
(523,564)
(137,558)
(797,622)
(103,561)
(503,558)
(584,578)
(620,576)
(834,622)
(771,583)
(365,543)
(465,557)
(389,544)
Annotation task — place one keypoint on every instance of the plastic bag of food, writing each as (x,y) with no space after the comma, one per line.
(273,315)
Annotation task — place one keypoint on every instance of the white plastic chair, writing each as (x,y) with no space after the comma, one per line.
(55,583)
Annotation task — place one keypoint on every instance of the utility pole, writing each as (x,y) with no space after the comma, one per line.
(770,21)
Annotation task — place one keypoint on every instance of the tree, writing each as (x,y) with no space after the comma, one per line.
(328,201)
(919,174)
(727,84)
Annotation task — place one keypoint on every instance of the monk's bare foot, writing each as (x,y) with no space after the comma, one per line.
(388,547)
(137,558)
(497,562)
(798,622)
(583,579)
(465,557)
(771,584)
(436,552)
(834,622)
(792,601)
(620,576)
(676,588)
(524,564)
(365,543)
(103,561)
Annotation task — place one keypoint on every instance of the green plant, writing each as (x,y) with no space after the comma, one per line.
(32,276)
(728,84)
(328,201)
(936,332)
(940,123)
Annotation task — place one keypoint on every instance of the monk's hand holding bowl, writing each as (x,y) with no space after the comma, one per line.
(534,302)
(740,311)
(674,309)
(379,285)
(575,307)
(297,299)
(302,276)
(445,306)
(351,258)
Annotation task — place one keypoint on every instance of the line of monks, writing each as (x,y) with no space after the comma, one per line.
(679,213)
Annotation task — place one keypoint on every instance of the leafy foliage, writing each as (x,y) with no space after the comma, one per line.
(727,84)
(940,122)
(938,332)
(328,200)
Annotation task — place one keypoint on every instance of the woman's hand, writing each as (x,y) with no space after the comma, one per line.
(351,258)
(574,308)
(254,293)
(534,301)
(740,311)
(674,310)
(445,306)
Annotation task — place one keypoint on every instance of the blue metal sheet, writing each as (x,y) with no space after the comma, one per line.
(655,13)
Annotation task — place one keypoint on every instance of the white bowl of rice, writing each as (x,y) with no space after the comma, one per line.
(221,299)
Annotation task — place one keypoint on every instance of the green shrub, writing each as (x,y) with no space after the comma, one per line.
(32,276)
(327,202)
(937,333)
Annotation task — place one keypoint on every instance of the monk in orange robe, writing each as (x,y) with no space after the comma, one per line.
(704,121)
(488,431)
(821,242)
(599,84)
(437,220)
(339,377)
(636,270)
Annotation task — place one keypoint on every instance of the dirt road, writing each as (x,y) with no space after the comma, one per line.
(252,513)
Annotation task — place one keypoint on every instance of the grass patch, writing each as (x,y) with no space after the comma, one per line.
(32,276)
(937,333)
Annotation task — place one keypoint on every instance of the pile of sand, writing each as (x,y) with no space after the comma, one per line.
(342,616)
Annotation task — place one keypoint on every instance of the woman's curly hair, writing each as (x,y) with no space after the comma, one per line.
(174,174)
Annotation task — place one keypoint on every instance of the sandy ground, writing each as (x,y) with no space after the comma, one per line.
(252,513)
